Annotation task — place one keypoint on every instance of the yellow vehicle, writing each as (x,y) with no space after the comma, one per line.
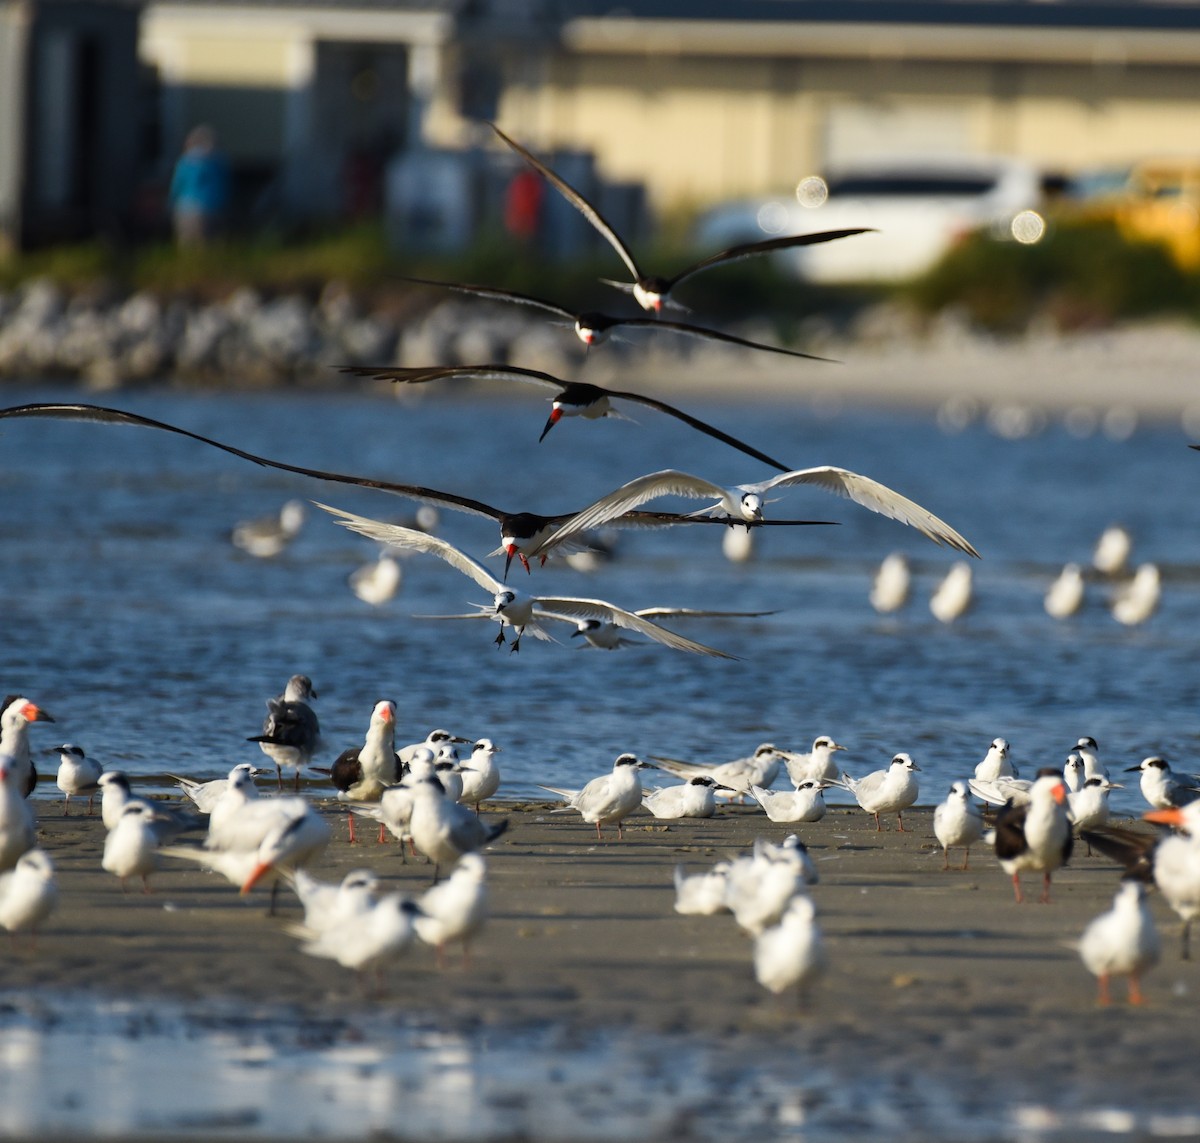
(1158,200)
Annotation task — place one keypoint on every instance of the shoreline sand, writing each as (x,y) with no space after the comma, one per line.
(930,972)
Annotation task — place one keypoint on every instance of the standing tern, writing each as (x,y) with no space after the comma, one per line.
(131,846)
(701,894)
(291,732)
(817,765)
(572,398)
(1035,835)
(889,791)
(206,796)
(1163,787)
(481,775)
(28,893)
(509,607)
(806,803)
(1065,595)
(116,793)
(608,799)
(952,598)
(693,799)
(523,535)
(733,778)
(957,821)
(761,884)
(743,503)
(77,774)
(1121,942)
(652,292)
(592,327)
(454,909)
(16,713)
(328,905)
(892,584)
(443,830)
(996,763)
(434,741)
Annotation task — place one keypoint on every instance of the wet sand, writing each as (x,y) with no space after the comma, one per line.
(931,973)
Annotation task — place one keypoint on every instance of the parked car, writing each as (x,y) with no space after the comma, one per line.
(1154,200)
(918,209)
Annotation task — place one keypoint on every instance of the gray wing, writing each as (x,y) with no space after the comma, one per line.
(872,495)
(599,609)
(402,537)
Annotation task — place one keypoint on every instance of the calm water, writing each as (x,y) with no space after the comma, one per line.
(153,642)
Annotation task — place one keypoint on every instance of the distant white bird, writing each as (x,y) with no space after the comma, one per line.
(1163,787)
(1121,942)
(1066,594)
(509,607)
(701,894)
(608,799)
(367,941)
(433,742)
(481,774)
(205,796)
(818,765)
(1134,602)
(131,847)
(454,909)
(957,821)
(743,503)
(378,580)
(738,545)
(806,803)
(1036,835)
(1088,749)
(77,774)
(760,769)
(326,905)
(791,953)
(889,791)
(892,584)
(997,791)
(605,636)
(442,829)
(1111,555)
(28,893)
(995,762)
(269,535)
(18,831)
(952,597)
(291,733)
(1088,806)
(760,885)
(165,821)
(693,799)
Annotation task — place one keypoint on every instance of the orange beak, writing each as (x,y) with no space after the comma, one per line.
(1060,793)
(552,420)
(260,871)
(1170,816)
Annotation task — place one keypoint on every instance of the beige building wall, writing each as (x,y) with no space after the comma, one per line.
(698,129)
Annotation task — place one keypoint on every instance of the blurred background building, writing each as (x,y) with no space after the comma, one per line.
(341,109)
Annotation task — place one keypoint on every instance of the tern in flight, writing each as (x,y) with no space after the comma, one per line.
(523,535)
(509,607)
(572,399)
(652,292)
(743,503)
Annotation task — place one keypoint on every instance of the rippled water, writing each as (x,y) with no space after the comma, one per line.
(153,642)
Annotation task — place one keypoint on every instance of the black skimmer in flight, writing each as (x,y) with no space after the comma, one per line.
(523,535)
(572,399)
(593,327)
(509,607)
(652,292)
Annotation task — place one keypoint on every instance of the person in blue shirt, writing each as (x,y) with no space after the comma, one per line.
(199,190)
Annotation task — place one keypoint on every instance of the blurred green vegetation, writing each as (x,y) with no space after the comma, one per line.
(1081,275)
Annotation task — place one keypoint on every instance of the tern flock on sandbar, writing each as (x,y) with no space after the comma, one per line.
(429,800)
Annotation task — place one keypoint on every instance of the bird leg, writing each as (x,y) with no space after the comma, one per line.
(966,857)
(279,776)
(67,806)
(1186,949)
(945,859)
(297,779)
(350,817)
(1136,996)
(383,835)
(1102,996)
(1044,899)
(516,646)
(1017,889)
(599,835)
(878,827)
(900,819)
(500,640)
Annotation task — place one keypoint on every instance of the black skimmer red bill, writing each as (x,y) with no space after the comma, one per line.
(1035,834)
(572,399)
(509,607)
(652,292)
(291,731)
(593,327)
(523,535)
(16,713)
(743,503)
(362,773)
